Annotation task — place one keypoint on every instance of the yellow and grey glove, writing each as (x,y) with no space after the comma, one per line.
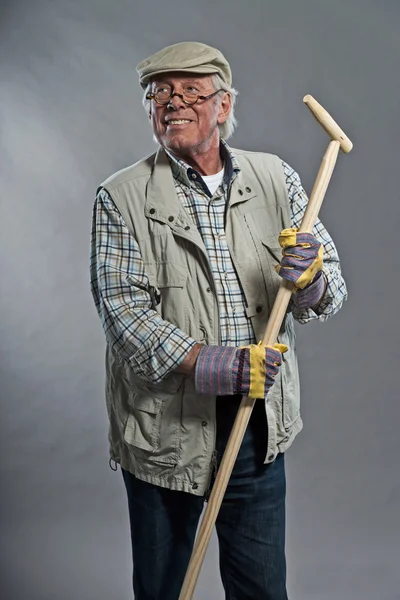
(302,264)
(251,370)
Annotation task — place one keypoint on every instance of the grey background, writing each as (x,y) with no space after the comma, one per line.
(70,116)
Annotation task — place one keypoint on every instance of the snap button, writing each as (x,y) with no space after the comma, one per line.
(204,423)
(152,211)
(248,189)
(170,218)
(270,457)
(187,228)
(194,176)
(259,309)
(240,192)
(195,486)
(208,290)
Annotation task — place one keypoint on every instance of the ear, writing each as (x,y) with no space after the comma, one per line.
(225,108)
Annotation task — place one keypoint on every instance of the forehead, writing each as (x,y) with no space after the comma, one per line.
(177,78)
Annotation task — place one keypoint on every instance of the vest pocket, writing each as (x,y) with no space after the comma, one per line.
(290,400)
(270,256)
(290,385)
(169,282)
(273,253)
(166,274)
(153,425)
(143,426)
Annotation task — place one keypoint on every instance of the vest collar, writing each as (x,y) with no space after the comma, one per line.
(241,190)
(162,202)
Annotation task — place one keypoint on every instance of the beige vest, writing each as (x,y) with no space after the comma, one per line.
(165,433)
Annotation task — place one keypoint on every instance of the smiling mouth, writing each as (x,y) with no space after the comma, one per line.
(178,122)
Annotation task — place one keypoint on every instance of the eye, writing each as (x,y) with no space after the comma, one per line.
(191,89)
(162,89)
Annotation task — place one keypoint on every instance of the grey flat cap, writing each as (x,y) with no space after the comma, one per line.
(190,57)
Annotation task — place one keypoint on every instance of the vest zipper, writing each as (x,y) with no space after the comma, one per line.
(214,468)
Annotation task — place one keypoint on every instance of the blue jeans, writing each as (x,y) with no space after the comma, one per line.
(250,525)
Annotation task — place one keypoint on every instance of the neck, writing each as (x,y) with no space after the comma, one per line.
(205,160)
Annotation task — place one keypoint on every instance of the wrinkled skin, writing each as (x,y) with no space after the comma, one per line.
(197,140)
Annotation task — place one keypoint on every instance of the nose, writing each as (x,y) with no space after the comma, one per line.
(176,101)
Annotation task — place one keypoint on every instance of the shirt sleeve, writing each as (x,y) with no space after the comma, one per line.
(120,288)
(336,291)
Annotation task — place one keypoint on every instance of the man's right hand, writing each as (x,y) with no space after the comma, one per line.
(250,371)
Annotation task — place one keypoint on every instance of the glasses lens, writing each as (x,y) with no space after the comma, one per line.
(190,98)
(163,95)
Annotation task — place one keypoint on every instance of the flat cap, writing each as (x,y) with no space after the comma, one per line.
(189,57)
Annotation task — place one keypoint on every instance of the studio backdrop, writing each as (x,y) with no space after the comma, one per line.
(71,114)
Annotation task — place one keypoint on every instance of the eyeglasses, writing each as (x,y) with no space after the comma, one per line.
(164,96)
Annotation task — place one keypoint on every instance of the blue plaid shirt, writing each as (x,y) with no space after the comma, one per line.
(125,307)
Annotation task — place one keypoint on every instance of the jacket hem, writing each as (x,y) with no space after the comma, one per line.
(171,482)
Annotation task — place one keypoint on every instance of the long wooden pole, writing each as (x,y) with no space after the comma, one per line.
(271,333)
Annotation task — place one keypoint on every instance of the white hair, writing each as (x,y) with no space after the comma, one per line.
(227,128)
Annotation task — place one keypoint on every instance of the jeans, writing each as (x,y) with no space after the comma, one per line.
(250,525)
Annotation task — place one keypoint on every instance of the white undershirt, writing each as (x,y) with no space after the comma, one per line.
(213,181)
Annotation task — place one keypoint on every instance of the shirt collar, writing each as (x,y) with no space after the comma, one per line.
(188,176)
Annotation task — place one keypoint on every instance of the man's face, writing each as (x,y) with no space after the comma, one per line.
(186,129)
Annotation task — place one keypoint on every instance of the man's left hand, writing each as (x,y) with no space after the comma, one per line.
(302,265)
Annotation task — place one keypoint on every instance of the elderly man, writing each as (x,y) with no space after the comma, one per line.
(188,249)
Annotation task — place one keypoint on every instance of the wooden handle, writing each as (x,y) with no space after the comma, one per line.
(246,406)
(330,126)
(216,497)
(308,221)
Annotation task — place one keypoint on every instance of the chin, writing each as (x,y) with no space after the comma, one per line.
(177,142)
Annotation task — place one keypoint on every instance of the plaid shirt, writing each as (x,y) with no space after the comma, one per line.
(125,307)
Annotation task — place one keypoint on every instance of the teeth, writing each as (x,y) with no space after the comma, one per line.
(178,121)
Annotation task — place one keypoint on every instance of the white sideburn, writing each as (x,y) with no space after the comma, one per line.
(213,181)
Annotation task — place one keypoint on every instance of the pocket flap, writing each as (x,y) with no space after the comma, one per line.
(144,402)
(142,426)
(166,274)
(271,243)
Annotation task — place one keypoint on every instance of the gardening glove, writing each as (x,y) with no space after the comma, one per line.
(302,265)
(250,370)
